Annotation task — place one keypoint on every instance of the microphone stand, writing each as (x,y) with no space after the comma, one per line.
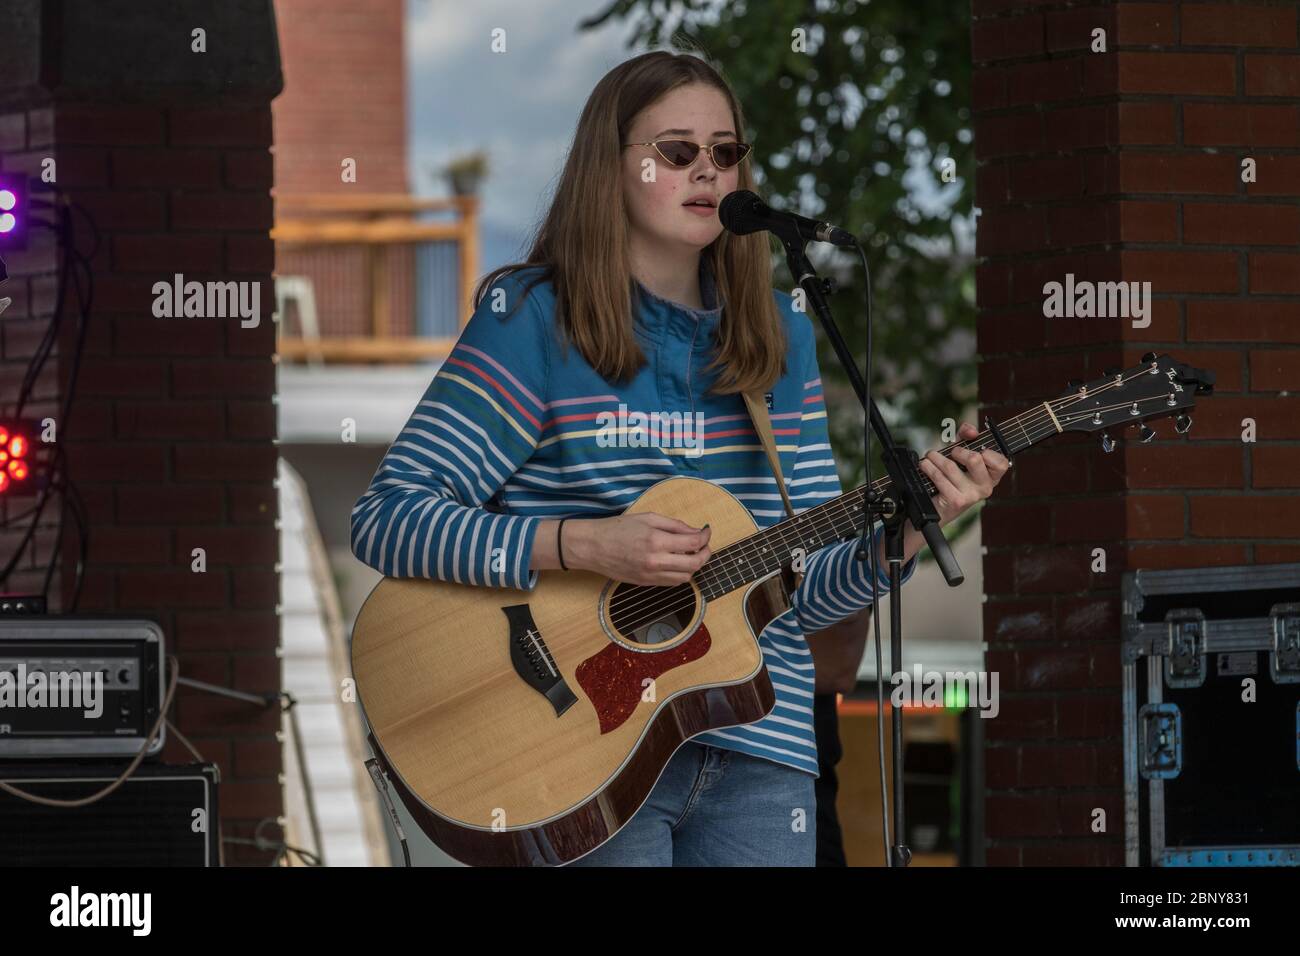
(906,499)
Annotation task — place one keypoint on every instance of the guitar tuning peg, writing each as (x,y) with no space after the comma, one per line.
(1113,371)
(1182,423)
(1107,443)
(1146,434)
(1148,358)
(1074,384)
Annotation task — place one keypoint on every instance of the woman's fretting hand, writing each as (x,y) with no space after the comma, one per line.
(957,490)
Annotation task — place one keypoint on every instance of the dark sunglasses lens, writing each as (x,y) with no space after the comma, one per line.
(678,152)
(727,155)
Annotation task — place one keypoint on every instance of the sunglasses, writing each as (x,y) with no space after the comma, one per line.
(679,152)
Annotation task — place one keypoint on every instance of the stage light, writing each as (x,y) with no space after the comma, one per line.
(15,458)
(13,211)
(8,203)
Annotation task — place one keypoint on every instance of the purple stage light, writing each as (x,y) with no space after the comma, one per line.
(13,212)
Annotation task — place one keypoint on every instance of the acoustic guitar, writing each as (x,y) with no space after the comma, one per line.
(526,728)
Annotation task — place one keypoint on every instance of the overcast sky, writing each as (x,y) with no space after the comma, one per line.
(520,106)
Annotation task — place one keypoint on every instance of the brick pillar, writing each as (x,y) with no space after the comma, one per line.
(171,437)
(1125,165)
(344,96)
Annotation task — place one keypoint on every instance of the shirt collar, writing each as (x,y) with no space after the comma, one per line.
(659,316)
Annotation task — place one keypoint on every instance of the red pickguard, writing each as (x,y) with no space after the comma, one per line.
(612,679)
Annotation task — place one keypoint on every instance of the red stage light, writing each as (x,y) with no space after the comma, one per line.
(15,450)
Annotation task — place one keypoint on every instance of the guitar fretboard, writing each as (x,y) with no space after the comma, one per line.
(1151,390)
(766,551)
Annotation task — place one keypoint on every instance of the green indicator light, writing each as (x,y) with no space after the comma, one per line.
(955,696)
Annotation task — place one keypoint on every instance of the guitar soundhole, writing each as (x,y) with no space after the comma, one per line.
(651,615)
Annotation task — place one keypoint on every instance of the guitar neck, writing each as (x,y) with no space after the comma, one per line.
(1158,387)
(762,553)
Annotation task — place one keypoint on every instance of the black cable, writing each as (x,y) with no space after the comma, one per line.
(75,504)
(72,261)
(54,560)
(46,345)
(282,849)
(67,235)
(82,518)
(87,303)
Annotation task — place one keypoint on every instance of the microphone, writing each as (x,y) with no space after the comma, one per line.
(742,212)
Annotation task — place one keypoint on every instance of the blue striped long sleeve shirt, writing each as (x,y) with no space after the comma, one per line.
(506,435)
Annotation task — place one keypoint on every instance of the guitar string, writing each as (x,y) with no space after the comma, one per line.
(714,576)
(977,443)
(642,603)
(651,604)
(639,602)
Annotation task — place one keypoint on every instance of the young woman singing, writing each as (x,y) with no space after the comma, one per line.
(633,295)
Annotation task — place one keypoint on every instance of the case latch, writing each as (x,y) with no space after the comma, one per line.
(1160,731)
(1185,656)
(1284,662)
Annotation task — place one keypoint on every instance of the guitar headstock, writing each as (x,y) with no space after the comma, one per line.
(1159,387)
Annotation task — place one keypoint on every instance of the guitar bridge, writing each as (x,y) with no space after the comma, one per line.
(532,659)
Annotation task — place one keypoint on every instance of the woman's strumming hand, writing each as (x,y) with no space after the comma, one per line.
(645,548)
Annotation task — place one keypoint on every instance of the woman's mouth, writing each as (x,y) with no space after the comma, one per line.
(700,208)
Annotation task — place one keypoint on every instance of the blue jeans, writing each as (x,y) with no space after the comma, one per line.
(714,807)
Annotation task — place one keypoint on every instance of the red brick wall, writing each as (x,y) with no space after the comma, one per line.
(170,438)
(32,285)
(344,95)
(1125,165)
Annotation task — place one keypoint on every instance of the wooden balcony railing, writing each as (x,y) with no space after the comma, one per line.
(363,279)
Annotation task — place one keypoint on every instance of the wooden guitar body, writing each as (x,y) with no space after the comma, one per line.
(525,728)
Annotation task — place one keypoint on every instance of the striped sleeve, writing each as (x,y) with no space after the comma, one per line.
(835,584)
(479,420)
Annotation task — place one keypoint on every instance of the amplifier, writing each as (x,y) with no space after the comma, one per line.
(160,816)
(79,686)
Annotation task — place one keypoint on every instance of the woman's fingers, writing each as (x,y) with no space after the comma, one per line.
(998,464)
(977,470)
(943,486)
(960,481)
(995,463)
(964,476)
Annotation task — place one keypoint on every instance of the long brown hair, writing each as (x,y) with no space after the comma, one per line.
(582,242)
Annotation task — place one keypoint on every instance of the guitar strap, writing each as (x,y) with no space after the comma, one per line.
(829,644)
(763,425)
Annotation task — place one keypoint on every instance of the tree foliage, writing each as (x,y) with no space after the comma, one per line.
(854,128)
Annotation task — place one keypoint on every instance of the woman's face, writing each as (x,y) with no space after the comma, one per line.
(654,190)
